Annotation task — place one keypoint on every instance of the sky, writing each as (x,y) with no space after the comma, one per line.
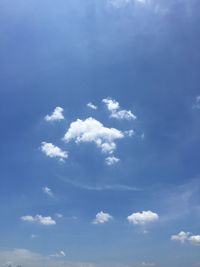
(100,111)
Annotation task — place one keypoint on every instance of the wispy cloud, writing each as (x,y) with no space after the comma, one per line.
(111,160)
(113,187)
(92,106)
(47,191)
(39,219)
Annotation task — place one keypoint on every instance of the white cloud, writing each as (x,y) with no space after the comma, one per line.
(56,115)
(148,264)
(102,217)
(111,160)
(53,151)
(197,103)
(121,3)
(194,239)
(59,254)
(181,237)
(143,217)
(91,130)
(47,191)
(129,133)
(39,219)
(116,112)
(186,237)
(92,106)
(59,215)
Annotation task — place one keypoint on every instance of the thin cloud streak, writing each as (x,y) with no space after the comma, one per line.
(114,187)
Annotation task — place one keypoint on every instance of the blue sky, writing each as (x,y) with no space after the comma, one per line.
(116,182)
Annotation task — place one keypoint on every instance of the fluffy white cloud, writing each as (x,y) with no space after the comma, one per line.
(53,151)
(91,130)
(102,217)
(111,160)
(143,217)
(47,191)
(56,115)
(186,237)
(181,237)
(92,106)
(39,219)
(116,112)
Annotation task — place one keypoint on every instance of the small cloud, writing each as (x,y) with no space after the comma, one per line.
(197,103)
(92,106)
(56,115)
(102,217)
(93,131)
(59,215)
(183,237)
(53,151)
(116,112)
(47,191)
(148,264)
(59,254)
(143,217)
(129,133)
(111,160)
(38,219)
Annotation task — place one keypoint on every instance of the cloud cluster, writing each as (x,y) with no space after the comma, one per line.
(56,115)
(93,131)
(143,217)
(186,237)
(116,111)
(39,219)
(53,151)
(102,217)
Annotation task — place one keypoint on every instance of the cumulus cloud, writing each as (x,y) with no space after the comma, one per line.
(116,112)
(186,237)
(111,160)
(181,237)
(91,130)
(39,219)
(143,217)
(56,115)
(47,191)
(92,106)
(53,151)
(102,217)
